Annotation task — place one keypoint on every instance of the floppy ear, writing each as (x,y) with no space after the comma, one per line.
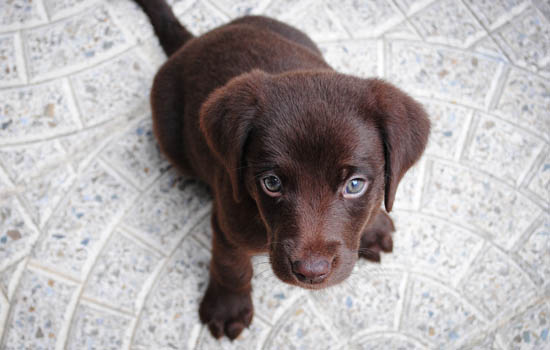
(226,121)
(404,127)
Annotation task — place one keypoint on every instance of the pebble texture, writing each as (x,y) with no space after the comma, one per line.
(104,246)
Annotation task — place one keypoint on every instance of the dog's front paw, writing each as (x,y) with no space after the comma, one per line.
(226,312)
(377,237)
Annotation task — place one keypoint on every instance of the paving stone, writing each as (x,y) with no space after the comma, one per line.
(120,272)
(242,7)
(539,184)
(470,198)
(482,342)
(136,153)
(170,317)
(317,21)
(94,201)
(4,306)
(494,282)
(449,124)
(370,305)
(78,41)
(412,6)
(494,13)
(431,246)
(16,14)
(36,112)
(442,72)
(529,330)
(285,8)
(61,8)
(525,40)
(301,328)
(92,206)
(131,18)
(403,30)
(83,146)
(166,213)
(41,170)
(17,233)
(10,276)
(118,87)
(37,312)
(437,316)
(200,17)
(448,22)
(407,191)
(501,148)
(356,57)
(271,297)
(525,101)
(250,338)
(535,251)
(366,18)
(11,62)
(488,46)
(96,328)
(389,341)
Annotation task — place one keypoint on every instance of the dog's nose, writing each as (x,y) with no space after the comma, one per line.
(311,270)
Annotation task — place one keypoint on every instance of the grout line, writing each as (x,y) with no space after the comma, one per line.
(74,109)
(470,128)
(382,56)
(90,300)
(407,16)
(21,57)
(420,184)
(131,234)
(537,159)
(36,266)
(117,173)
(42,10)
(64,330)
(17,274)
(519,241)
(497,87)
(466,135)
(401,305)
(161,268)
(463,272)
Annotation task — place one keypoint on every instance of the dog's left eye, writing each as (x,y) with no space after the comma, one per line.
(355,187)
(272,185)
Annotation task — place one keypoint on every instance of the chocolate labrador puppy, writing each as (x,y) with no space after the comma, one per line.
(299,157)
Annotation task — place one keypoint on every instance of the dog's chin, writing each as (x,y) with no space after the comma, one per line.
(282,269)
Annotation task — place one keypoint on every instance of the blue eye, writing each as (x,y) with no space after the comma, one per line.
(355,187)
(272,184)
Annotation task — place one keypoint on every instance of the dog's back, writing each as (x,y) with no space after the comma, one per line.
(197,66)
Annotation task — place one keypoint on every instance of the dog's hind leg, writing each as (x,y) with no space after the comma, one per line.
(377,237)
(167,106)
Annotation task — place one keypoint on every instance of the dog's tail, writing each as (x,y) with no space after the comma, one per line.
(172,35)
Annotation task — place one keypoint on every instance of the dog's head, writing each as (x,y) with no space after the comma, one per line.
(318,152)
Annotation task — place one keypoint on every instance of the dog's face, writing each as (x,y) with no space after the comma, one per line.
(316,152)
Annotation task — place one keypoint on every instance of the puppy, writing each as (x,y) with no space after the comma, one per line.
(299,157)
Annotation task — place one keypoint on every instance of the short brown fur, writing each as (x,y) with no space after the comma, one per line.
(255,98)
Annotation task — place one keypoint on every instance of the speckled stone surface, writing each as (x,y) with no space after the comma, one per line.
(104,246)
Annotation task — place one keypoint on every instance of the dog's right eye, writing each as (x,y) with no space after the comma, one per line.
(272,185)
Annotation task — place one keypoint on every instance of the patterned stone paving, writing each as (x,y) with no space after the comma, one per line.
(104,246)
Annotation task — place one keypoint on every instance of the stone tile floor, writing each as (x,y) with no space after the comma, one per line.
(104,246)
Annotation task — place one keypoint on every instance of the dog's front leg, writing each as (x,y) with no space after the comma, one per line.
(227,305)
(377,237)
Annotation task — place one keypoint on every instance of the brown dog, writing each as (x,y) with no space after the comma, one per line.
(298,156)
